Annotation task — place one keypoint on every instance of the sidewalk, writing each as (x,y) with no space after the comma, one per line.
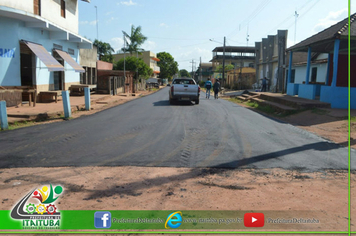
(48,111)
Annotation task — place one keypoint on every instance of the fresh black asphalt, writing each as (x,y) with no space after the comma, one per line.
(150,132)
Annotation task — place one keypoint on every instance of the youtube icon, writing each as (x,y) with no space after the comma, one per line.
(254,220)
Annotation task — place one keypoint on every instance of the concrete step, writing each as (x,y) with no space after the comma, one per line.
(276,106)
(242,98)
(291,101)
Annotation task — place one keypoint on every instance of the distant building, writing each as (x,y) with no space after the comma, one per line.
(270,60)
(40,44)
(204,71)
(238,56)
(88,60)
(242,78)
(148,57)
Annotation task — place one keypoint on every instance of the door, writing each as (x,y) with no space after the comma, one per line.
(26,70)
(37,7)
(58,76)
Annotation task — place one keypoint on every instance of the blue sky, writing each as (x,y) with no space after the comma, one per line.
(183,28)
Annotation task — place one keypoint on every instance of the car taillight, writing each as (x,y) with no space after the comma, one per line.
(198,89)
(172,89)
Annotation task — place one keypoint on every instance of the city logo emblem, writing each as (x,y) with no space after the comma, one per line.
(174,220)
(37,209)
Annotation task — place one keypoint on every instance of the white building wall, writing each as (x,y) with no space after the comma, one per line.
(24,5)
(300,73)
(51,11)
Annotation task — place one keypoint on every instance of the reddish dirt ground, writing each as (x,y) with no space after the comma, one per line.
(325,194)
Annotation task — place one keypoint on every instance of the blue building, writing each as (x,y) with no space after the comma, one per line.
(39,45)
(333,89)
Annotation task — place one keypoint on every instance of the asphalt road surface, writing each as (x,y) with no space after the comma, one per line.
(150,132)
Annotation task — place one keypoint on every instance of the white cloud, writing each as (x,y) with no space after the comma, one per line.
(185,58)
(331,19)
(129,3)
(149,45)
(88,22)
(92,22)
(117,43)
(163,25)
(111,19)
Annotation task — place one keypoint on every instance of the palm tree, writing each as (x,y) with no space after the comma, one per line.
(104,50)
(136,40)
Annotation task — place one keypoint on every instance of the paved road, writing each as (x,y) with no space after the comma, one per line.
(150,132)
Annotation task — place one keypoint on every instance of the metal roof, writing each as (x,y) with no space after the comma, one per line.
(323,41)
(235,49)
(51,63)
(70,61)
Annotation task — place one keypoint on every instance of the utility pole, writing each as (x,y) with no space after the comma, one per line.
(223,78)
(124,61)
(201,74)
(295,27)
(97,26)
(192,68)
(247,36)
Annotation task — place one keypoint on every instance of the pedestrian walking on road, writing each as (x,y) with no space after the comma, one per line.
(216,88)
(208,86)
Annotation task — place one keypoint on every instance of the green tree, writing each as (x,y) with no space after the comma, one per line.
(104,51)
(168,66)
(136,40)
(228,67)
(184,73)
(132,64)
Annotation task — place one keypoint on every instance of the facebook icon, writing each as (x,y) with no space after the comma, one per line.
(102,220)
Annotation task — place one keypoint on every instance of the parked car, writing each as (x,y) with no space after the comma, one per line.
(184,89)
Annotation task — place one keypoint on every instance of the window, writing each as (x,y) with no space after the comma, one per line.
(56,46)
(37,7)
(313,75)
(63,8)
(183,81)
(292,76)
(70,51)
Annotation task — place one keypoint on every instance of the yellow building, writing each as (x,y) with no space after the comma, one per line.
(148,57)
(242,78)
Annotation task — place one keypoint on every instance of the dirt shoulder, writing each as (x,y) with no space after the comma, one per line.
(331,124)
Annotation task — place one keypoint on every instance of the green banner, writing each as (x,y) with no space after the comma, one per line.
(166,220)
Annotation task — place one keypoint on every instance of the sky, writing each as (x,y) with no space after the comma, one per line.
(190,30)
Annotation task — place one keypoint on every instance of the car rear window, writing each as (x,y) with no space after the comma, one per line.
(183,81)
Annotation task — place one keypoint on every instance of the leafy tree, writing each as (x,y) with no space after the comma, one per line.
(168,66)
(136,40)
(184,73)
(228,67)
(104,51)
(133,63)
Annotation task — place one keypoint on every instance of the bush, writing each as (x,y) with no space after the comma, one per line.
(235,87)
(202,84)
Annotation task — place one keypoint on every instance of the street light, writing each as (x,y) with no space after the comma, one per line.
(223,77)
(97,26)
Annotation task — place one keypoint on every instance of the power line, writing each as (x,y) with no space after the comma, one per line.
(175,38)
(248,19)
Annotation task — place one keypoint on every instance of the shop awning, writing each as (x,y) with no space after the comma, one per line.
(70,61)
(51,63)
